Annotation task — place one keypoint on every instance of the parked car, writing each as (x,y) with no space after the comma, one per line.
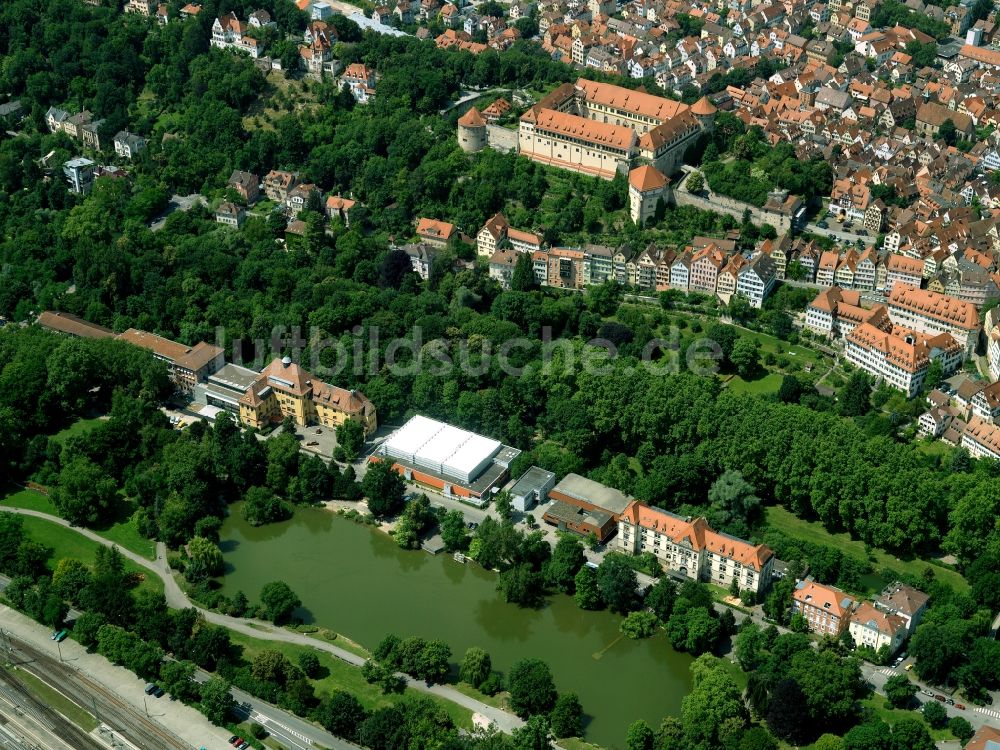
(960,706)
(233,739)
(150,688)
(950,701)
(908,667)
(822,224)
(236,741)
(925,691)
(939,698)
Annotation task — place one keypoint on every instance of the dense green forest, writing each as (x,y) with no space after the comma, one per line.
(663,434)
(97,257)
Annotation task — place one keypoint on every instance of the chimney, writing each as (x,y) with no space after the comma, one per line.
(286,361)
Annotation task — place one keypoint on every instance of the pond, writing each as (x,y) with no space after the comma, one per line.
(355,580)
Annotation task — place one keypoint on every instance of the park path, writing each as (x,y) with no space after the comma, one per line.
(264,630)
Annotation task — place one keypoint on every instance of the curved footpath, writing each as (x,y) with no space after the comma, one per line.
(263,630)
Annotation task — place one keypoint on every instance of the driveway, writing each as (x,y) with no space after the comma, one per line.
(177,203)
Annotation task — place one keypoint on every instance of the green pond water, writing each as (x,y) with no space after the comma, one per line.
(355,580)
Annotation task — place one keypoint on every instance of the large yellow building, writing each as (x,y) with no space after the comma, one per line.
(286,390)
(601,130)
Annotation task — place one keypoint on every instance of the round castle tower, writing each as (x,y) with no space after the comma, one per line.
(705,111)
(472,131)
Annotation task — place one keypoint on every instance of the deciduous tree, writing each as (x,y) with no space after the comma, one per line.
(279,601)
(383,488)
(532,690)
(476,666)
(566,718)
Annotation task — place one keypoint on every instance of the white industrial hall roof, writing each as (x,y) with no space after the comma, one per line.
(441,447)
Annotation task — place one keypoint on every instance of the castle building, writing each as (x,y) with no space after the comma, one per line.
(602,130)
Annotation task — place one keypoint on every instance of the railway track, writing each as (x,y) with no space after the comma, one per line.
(90,695)
(18,694)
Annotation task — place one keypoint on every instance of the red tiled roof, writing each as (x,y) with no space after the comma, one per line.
(472,119)
(646,178)
(938,306)
(433,228)
(574,126)
(826,598)
(71,324)
(636,102)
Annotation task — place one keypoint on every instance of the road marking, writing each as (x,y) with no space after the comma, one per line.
(265,720)
(888,671)
(989,712)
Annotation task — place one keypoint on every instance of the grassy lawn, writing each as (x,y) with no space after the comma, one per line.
(739,676)
(768,384)
(796,353)
(125,535)
(880,705)
(30,500)
(123,532)
(497,701)
(58,701)
(812,531)
(933,448)
(338,675)
(79,427)
(575,743)
(68,543)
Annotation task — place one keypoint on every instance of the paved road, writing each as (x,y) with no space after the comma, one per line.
(976,715)
(177,599)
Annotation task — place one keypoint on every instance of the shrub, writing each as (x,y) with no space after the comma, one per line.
(492,685)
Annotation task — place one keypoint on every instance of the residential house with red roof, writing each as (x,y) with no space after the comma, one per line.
(876,629)
(826,609)
(435,232)
(690,548)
